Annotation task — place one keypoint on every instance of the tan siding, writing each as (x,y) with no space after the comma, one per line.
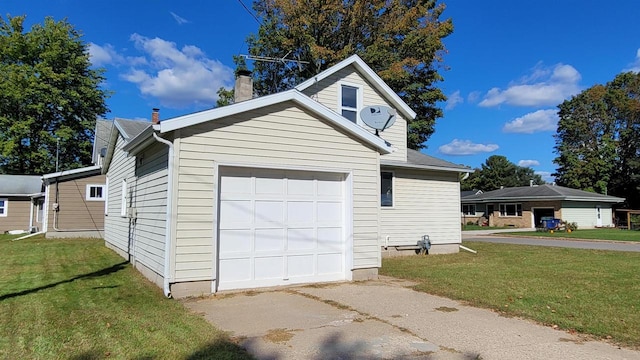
(326,92)
(425,203)
(117,228)
(74,211)
(17,211)
(279,136)
(149,198)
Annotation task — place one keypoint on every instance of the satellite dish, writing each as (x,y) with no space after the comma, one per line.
(378,117)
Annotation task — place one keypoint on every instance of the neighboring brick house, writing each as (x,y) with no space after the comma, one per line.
(525,206)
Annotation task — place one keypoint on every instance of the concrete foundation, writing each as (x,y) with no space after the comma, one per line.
(364,274)
(190,289)
(75,234)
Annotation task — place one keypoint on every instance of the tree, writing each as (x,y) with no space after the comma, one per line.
(598,139)
(401,40)
(49,95)
(497,172)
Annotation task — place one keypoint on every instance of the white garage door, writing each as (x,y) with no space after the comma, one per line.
(280,227)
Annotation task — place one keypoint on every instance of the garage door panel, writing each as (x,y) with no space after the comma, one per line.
(303,187)
(268,212)
(329,187)
(300,266)
(236,212)
(300,212)
(269,185)
(235,241)
(236,184)
(301,239)
(330,264)
(330,239)
(269,240)
(269,267)
(236,269)
(329,212)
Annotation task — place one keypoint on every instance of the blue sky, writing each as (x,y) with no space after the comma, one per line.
(508,63)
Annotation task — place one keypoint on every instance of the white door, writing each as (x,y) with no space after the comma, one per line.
(280,227)
(598,216)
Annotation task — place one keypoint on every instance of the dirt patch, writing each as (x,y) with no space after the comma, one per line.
(575,341)
(446,309)
(279,335)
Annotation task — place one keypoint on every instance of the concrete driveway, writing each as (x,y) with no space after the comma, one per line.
(385,319)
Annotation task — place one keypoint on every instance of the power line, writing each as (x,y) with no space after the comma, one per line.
(249,11)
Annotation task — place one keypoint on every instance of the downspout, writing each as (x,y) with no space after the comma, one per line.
(167,243)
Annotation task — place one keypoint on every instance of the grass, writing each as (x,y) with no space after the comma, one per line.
(591,292)
(595,234)
(75,299)
(466,227)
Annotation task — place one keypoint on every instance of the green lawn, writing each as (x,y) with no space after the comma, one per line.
(601,234)
(466,227)
(588,291)
(75,299)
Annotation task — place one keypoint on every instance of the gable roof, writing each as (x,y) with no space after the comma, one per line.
(470,192)
(293,95)
(541,192)
(20,185)
(368,74)
(100,138)
(129,129)
(418,160)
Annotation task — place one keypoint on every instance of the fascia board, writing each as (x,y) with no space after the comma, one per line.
(424,167)
(72,173)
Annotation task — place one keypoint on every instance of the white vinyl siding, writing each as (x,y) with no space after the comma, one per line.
(116,227)
(584,213)
(279,136)
(425,203)
(149,199)
(327,92)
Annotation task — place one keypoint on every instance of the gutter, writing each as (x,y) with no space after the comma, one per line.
(169,215)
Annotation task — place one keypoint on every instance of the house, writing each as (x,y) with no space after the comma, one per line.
(76,199)
(525,206)
(21,202)
(282,189)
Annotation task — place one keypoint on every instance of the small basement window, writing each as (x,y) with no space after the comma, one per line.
(96,193)
(386,189)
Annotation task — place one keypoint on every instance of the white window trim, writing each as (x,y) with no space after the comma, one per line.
(359,100)
(123,199)
(515,204)
(106,195)
(6,207)
(88,192)
(393,190)
(475,210)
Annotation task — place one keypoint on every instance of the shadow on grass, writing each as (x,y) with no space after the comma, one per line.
(213,350)
(102,272)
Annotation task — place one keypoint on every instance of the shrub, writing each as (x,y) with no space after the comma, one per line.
(573,226)
(470,223)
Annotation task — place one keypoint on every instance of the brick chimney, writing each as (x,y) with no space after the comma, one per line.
(244,86)
(155,116)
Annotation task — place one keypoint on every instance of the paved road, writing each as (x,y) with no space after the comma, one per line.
(576,244)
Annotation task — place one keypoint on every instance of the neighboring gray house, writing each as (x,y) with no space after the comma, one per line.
(21,200)
(277,190)
(524,206)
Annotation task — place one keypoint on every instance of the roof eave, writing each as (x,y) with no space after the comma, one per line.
(67,174)
(139,142)
(423,167)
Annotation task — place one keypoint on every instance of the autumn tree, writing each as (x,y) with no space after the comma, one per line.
(401,40)
(496,172)
(49,97)
(598,139)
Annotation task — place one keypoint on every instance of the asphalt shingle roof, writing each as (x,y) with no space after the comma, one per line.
(101,137)
(131,128)
(20,185)
(541,192)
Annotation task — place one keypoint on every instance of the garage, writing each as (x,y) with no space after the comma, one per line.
(279,227)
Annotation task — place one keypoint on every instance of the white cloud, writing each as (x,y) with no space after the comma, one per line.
(544,86)
(466,147)
(179,19)
(541,120)
(453,100)
(474,96)
(178,77)
(104,55)
(528,163)
(635,66)
(546,176)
